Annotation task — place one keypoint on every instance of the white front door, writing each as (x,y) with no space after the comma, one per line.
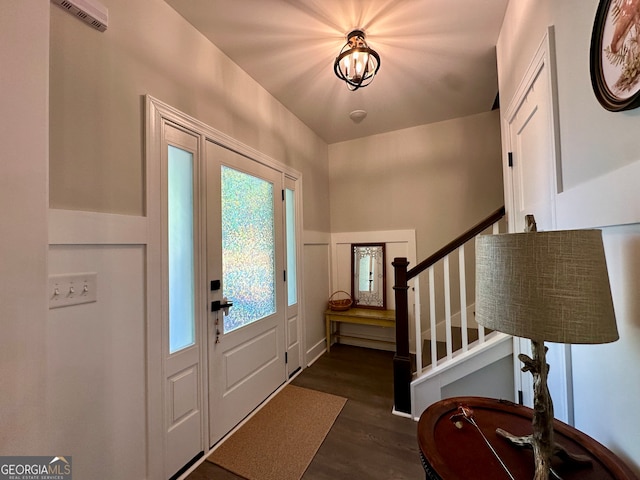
(216,228)
(245,267)
(183,305)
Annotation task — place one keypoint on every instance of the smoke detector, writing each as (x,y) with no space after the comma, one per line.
(358,115)
(89,11)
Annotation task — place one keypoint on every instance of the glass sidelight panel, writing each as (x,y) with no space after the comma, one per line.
(290,206)
(180,249)
(248,248)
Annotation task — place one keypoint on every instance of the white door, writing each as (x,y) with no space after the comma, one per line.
(533,186)
(532,150)
(245,254)
(183,304)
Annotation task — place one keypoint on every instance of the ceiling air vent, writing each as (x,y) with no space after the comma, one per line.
(89,11)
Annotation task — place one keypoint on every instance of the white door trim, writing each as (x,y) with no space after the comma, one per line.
(157,113)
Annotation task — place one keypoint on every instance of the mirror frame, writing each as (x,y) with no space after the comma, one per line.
(355,276)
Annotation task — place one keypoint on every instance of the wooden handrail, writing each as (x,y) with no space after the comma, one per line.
(453,245)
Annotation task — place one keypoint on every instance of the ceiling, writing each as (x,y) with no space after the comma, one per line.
(438,57)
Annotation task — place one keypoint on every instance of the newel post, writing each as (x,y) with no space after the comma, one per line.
(401,360)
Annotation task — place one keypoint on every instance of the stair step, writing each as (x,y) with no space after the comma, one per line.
(441,351)
(441,347)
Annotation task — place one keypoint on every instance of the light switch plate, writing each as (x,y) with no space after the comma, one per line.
(72,289)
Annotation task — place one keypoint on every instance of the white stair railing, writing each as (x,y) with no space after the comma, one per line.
(402,370)
(440,331)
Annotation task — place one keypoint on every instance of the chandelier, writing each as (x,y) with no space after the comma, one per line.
(356,63)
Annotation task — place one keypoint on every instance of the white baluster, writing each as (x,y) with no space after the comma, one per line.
(463,299)
(447,307)
(432,317)
(418,324)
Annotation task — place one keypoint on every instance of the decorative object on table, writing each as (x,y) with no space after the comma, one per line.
(544,286)
(465,413)
(340,304)
(356,63)
(368,275)
(615,54)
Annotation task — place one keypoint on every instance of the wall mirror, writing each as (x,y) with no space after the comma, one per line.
(368,275)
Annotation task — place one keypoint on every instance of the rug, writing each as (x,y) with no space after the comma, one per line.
(281,439)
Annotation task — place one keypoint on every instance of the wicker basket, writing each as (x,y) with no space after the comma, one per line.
(340,305)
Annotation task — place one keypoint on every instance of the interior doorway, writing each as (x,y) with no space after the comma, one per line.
(533,181)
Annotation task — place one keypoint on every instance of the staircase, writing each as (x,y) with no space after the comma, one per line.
(441,345)
(447,349)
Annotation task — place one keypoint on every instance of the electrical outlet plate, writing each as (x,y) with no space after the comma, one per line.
(72,289)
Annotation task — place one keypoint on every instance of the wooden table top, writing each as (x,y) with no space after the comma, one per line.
(453,453)
(389,315)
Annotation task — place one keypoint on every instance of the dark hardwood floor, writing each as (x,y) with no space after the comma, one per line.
(367,442)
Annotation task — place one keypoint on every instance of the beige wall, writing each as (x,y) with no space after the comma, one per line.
(439,179)
(594,143)
(97,124)
(518,45)
(24,71)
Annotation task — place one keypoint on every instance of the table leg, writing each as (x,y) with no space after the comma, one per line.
(328,327)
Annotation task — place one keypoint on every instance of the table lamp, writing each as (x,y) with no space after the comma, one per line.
(544,286)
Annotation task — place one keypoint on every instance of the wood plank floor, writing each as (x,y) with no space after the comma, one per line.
(366,442)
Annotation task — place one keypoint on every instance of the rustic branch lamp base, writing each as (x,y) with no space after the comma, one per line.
(558,450)
(542,439)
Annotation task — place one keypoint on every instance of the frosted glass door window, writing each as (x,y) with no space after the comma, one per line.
(248,248)
(180,249)
(292,291)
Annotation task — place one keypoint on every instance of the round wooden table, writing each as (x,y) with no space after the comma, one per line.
(451,453)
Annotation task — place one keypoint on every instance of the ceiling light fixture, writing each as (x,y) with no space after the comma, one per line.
(356,63)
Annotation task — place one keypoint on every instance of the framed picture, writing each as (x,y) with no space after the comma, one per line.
(615,54)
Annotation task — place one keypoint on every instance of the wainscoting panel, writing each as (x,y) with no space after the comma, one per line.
(96,352)
(316,255)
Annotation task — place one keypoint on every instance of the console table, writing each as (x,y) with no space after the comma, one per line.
(449,453)
(362,316)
